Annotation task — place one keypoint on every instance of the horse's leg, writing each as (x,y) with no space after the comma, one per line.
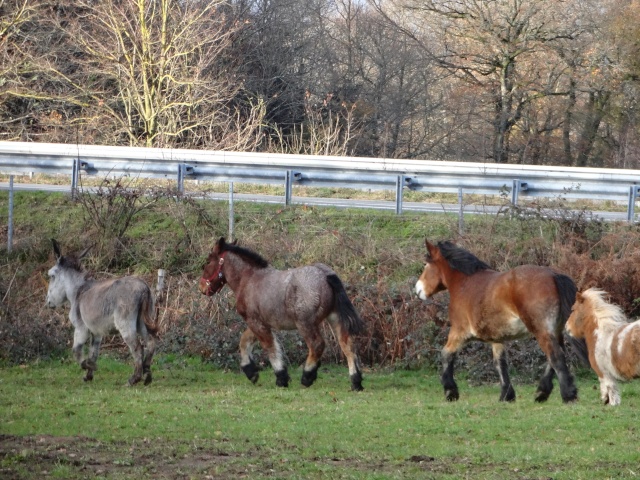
(315,344)
(346,344)
(609,391)
(271,345)
(248,365)
(455,341)
(91,363)
(135,347)
(553,348)
(507,393)
(545,386)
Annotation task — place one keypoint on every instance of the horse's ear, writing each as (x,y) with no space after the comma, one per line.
(221,242)
(432,250)
(84,252)
(235,242)
(579,297)
(56,248)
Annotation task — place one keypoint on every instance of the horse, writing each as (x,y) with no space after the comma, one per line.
(97,306)
(269,299)
(613,343)
(496,307)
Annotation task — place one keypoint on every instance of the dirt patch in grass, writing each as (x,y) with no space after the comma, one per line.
(45,456)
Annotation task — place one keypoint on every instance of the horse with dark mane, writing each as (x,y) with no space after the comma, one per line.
(269,299)
(613,342)
(98,306)
(495,307)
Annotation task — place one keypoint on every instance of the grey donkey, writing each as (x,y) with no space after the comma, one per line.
(99,306)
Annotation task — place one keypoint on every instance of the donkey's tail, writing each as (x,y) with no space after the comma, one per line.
(347,313)
(567,291)
(146,313)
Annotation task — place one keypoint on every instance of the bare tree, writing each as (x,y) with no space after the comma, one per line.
(483,43)
(160,73)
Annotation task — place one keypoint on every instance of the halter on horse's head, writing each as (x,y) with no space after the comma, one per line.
(213,278)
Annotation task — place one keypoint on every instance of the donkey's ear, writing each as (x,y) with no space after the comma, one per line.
(56,248)
(84,252)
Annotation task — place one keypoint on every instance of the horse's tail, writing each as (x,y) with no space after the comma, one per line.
(347,314)
(146,313)
(567,291)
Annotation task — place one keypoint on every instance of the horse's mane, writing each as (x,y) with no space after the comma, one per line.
(247,255)
(460,259)
(604,312)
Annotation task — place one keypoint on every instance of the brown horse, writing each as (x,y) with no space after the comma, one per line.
(613,342)
(496,307)
(269,299)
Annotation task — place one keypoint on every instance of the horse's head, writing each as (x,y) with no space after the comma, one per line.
(431,279)
(58,275)
(588,311)
(213,278)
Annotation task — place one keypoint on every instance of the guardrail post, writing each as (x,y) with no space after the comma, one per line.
(231,213)
(515,192)
(75,174)
(10,232)
(460,213)
(182,171)
(288,186)
(399,186)
(633,195)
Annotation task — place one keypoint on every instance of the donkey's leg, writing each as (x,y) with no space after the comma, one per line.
(150,343)
(247,363)
(80,336)
(553,348)
(346,344)
(507,393)
(91,363)
(271,345)
(315,344)
(135,347)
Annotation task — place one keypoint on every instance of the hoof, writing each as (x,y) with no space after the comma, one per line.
(148,379)
(508,395)
(356,382)
(251,371)
(133,380)
(282,378)
(541,396)
(309,376)
(451,395)
(87,378)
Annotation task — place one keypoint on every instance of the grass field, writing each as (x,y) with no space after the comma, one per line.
(196,421)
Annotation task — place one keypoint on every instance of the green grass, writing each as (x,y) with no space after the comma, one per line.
(195,421)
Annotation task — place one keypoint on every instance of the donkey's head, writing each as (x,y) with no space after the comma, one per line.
(59,276)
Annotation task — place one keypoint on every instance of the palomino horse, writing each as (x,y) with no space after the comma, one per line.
(496,307)
(269,299)
(97,306)
(613,342)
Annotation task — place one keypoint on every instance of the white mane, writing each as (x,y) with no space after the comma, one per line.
(606,314)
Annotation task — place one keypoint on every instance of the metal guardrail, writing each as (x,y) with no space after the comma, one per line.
(323,171)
